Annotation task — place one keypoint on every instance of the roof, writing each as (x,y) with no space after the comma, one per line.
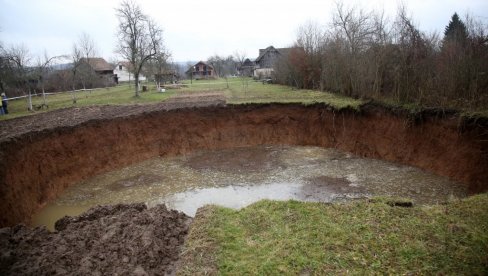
(281,51)
(200,62)
(248,62)
(98,64)
(126,64)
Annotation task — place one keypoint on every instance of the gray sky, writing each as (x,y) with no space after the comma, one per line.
(195,30)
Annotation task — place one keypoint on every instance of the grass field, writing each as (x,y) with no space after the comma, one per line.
(241,91)
(359,238)
(236,90)
(123,94)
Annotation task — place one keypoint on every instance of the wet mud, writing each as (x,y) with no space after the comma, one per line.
(236,160)
(136,181)
(238,177)
(106,240)
(335,185)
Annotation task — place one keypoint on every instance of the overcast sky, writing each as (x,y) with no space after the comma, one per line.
(195,30)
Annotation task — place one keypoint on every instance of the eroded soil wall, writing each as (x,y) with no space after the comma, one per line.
(37,167)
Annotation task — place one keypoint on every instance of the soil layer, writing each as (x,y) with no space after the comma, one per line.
(42,155)
(106,240)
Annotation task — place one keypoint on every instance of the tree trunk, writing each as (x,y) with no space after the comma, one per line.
(73,95)
(29,101)
(43,96)
(136,84)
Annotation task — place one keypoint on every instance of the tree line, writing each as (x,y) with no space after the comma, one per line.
(363,54)
(139,41)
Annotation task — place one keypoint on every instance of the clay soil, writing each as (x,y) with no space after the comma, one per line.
(68,117)
(106,240)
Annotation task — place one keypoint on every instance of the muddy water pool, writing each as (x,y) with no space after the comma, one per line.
(240,176)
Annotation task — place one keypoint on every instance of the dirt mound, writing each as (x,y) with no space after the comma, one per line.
(106,240)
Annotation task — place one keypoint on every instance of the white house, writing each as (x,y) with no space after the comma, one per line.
(123,74)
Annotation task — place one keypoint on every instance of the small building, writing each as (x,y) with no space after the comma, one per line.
(101,68)
(99,65)
(123,72)
(247,68)
(267,59)
(201,70)
(166,76)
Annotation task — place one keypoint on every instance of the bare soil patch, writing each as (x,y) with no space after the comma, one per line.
(77,115)
(106,240)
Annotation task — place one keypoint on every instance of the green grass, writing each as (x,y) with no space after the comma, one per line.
(236,91)
(290,238)
(244,91)
(118,95)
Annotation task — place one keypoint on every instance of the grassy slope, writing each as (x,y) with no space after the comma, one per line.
(236,93)
(115,95)
(290,238)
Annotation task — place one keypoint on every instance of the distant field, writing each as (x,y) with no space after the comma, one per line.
(236,90)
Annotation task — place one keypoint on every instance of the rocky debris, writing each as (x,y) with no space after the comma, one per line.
(124,239)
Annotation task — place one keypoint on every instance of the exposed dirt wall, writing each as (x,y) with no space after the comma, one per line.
(37,167)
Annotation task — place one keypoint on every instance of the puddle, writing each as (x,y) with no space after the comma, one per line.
(238,177)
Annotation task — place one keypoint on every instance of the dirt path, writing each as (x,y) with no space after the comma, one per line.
(106,240)
(77,115)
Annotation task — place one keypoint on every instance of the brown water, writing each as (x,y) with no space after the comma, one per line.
(240,176)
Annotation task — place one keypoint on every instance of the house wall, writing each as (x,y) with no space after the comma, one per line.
(124,75)
(203,71)
(263,73)
(268,60)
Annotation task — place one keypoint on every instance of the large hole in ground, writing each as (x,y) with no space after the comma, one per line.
(37,167)
(238,177)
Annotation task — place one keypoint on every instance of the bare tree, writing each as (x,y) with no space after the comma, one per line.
(159,66)
(88,50)
(19,59)
(239,58)
(354,28)
(243,71)
(76,59)
(42,70)
(364,54)
(5,72)
(139,37)
(217,63)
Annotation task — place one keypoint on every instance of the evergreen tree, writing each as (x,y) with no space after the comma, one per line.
(456,30)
